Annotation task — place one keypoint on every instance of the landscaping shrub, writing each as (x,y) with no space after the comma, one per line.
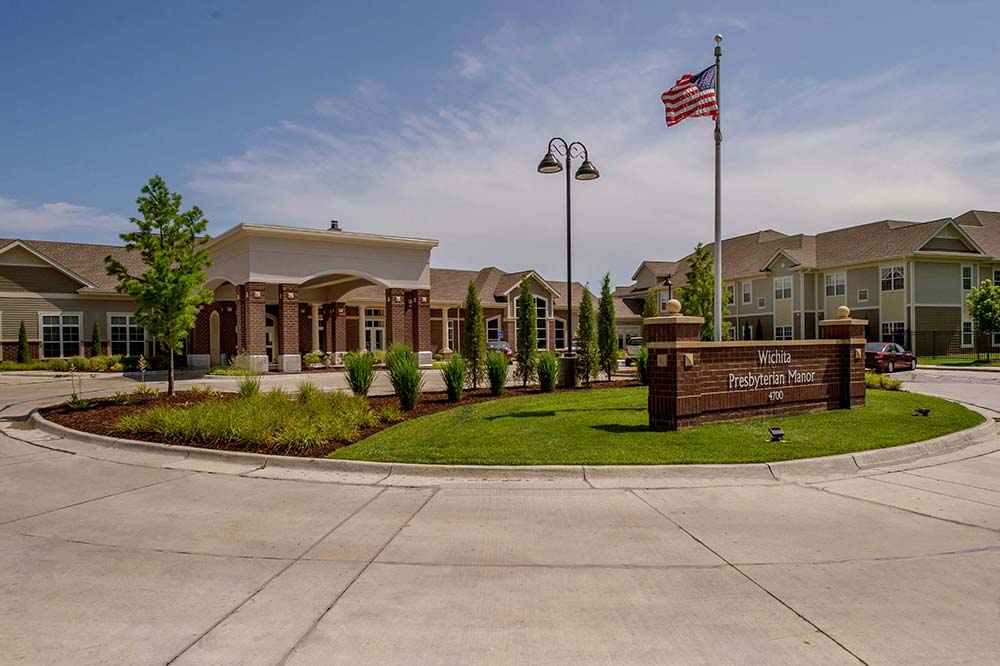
(306,391)
(311,358)
(453,374)
(51,365)
(273,421)
(548,371)
(360,368)
(233,371)
(496,372)
(642,365)
(389,414)
(79,363)
(96,346)
(378,357)
(881,382)
(404,375)
(23,351)
(248,387)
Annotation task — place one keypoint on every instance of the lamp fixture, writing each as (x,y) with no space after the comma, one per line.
(777,434)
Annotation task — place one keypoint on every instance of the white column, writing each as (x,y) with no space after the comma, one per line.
(445,349)
(316,342)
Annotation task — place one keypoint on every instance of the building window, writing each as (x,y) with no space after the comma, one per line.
(782,332)
(892,331)
(451,334)
(782,287)
(892,278)
(747,297)
(561,335)
(862,295)
(730,293)
(967,334)
(663,302)
(836,284)
(493,333)
(996,276)
(374,328)
(541,317)
(127,339)
(966,278)
(761,303)
(60,335)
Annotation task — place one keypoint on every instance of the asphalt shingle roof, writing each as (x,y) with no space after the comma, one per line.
(85,260)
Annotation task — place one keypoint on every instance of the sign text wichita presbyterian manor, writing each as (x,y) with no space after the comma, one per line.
(770,357)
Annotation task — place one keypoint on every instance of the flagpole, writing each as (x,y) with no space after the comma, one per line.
(718,197)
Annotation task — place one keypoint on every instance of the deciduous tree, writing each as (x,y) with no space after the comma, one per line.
(698,297)
(171,289)
(984,307)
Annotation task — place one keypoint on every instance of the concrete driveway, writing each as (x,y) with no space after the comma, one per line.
(103,562)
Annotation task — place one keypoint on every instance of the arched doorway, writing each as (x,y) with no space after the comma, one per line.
(214,341)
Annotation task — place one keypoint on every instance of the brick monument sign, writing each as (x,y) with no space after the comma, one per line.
(692,382)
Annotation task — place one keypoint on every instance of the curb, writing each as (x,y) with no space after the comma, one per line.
(257,465)
(952,368)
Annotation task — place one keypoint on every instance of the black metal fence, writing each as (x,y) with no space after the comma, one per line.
(952,344)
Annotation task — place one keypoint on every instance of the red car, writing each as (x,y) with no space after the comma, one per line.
(501,347)
(888,357)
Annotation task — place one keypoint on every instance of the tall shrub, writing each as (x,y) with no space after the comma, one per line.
(496,372)
(648,310)
(607,334)
(404,375)
(23,351)
(586,340)
(96,346)
(360,367)
(548,371)
(474,344)
(642,365)
(527,333)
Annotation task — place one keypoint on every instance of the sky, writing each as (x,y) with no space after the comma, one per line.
(428,119)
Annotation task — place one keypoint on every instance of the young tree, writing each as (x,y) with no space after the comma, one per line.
(586,340)
(170,291)
(607,335)
(649,309)
(474,344)
(527,333)
(23,350)
(984,307)
(699,296)
(96,346)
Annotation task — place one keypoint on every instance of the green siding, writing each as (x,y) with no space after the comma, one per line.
(938,283)
(14,310)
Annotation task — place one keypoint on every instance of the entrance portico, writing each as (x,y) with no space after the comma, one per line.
(286,287)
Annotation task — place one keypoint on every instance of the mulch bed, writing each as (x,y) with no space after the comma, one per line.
(100,416)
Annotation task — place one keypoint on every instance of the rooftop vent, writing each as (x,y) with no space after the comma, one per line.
(334,225)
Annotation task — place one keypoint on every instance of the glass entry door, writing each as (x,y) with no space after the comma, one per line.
(374,329)
(270,337)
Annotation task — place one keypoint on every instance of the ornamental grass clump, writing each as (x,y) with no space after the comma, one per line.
(548,371)
(404,375)
(453,374)
(248,387)
(642,365)
(496,372)
(360,367)
(272,422)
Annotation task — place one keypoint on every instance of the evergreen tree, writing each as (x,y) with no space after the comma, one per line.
(23,350)
(474,344)
(586,340)
(96,347)
(984,307)
(527,333)
(698,296)
(171,289)
(607,335)
(649,309)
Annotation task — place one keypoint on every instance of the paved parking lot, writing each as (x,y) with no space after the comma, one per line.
(103,562)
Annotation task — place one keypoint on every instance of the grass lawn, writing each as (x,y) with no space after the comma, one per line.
(609,427)
(958,361)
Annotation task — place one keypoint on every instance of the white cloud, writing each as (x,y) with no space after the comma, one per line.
(368,98)
(469,66)
(54,220)
(848,152)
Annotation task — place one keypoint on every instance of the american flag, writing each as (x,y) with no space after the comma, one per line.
(693,96)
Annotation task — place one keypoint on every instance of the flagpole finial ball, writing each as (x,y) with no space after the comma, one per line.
(718,39)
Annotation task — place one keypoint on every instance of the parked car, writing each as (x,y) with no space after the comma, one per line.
(500,347)
(888,356)
(632,348)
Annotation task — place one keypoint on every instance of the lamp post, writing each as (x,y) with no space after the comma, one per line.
(669,284)
(587,171)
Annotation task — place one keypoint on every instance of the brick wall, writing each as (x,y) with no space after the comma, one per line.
(9,350)
(306,328)
(694,382)
(200,340)
(395,317)
(288,319)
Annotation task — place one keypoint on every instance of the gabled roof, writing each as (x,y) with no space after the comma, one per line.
(983,226)
(658,268)
(510,281)
(83,262)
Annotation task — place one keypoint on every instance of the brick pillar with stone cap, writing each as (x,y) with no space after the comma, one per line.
(419,305)
(852,332)
(250,325)
(288,358)
(395,317)
(666,363)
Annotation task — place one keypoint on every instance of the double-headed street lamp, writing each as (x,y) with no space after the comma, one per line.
(587,171)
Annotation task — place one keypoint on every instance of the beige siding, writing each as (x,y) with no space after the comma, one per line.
(14,310)
(874,330)
(809,294)
(36,279)
(863,278)
(762,288)
(938,283)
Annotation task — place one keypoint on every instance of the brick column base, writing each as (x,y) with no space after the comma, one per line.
(250,323)
(288,329)
(395,317)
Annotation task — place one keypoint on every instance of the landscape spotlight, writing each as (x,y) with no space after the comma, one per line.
(921,411)
(777,434)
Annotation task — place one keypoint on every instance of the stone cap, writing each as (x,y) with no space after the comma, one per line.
(843,318)
(674,319)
